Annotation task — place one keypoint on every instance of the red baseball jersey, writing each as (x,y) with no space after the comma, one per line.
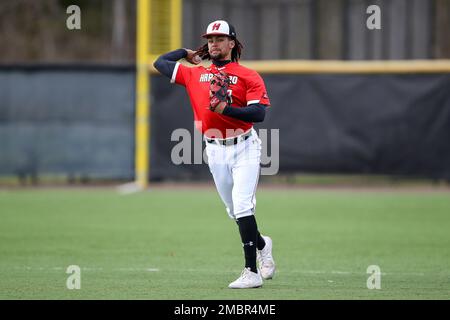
(246,87)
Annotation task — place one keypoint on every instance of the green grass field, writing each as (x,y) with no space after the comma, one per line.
(180,244)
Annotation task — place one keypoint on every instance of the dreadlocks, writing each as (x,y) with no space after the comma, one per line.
(203,51)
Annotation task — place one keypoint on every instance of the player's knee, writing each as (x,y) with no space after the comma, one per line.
(244,214)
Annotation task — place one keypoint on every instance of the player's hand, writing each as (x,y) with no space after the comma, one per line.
(192,57)
(218,106)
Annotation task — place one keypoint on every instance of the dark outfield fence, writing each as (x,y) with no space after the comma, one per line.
(80,122)
(74,121)
(371,124)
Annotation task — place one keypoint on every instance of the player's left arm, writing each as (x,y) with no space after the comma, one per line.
(252,113)
(257,101)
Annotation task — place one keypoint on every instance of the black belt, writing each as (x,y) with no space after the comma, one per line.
(230,141)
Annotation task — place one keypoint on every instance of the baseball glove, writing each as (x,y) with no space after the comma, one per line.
(218,92)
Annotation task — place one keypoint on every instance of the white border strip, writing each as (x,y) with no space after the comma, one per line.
(252,102)
(174,73)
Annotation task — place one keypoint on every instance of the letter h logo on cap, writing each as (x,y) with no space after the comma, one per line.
(219,27)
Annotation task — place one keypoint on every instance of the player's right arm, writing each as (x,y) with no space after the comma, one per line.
(167,63)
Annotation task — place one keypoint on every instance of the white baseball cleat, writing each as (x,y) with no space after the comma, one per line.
(248,279)
(265,260)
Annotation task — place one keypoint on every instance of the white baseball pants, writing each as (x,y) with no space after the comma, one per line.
(235,169)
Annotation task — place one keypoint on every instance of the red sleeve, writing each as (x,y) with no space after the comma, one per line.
(181,74)
(256,90)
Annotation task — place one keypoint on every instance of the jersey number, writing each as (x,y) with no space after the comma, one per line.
(230,95)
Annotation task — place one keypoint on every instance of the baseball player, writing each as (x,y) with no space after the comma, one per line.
(227,99)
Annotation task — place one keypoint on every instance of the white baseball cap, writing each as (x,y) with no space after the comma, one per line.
(220,27)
